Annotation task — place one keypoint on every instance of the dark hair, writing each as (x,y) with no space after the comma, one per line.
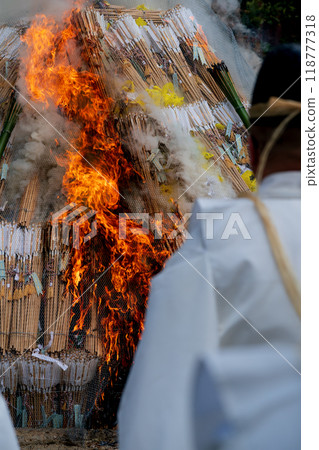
(279,76)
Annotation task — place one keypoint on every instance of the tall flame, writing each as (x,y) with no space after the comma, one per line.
(95,172)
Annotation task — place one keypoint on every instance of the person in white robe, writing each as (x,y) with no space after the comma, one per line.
(8,438)
(223,290)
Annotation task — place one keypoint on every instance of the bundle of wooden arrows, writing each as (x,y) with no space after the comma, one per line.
(162,60)
(44,386)
(151,119)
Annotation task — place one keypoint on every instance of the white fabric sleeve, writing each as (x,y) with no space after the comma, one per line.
(247,398)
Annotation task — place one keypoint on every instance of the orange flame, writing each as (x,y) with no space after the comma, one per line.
(201,41)
(201,38)
(95,171)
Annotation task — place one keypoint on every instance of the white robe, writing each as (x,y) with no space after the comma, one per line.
(199,304)
(8,438)
(247,398)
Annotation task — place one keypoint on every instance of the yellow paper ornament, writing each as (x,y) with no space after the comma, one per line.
(140,22)
(250,180)
(142,7)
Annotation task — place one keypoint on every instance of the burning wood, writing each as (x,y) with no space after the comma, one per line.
(146,114)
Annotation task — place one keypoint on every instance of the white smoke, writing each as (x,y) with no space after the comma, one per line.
(15,11)
(36,146)
(191,180)
(229,13)
(37,137)
(186,166)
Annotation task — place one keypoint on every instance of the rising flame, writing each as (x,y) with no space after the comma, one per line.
(201,41)
(95,173)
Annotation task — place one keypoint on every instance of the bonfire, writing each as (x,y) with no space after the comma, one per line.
(145,104)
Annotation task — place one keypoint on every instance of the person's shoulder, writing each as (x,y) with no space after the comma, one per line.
(218,218)
(207,205)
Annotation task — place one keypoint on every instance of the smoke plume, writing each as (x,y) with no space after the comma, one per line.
(37,149)
(15,11)
(229,13)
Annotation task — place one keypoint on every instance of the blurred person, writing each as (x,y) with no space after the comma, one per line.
(232,287)
(8,438)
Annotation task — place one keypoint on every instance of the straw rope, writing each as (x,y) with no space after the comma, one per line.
(276,107)
(287,274)
(273,108)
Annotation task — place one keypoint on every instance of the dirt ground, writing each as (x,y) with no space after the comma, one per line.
(53,439)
